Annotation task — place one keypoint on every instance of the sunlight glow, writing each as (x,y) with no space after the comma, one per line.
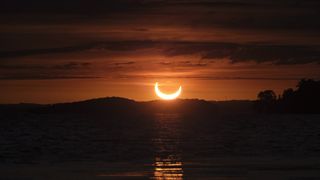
(167,96)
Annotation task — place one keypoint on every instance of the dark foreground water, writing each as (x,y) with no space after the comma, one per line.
(161,146)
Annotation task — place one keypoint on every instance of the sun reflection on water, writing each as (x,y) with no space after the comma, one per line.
(168,162)
(168,169)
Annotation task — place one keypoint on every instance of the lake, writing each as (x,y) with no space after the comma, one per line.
(160,146)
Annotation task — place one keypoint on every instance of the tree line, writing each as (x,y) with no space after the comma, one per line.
(305,98)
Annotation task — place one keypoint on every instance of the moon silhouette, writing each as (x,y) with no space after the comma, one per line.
(167,96)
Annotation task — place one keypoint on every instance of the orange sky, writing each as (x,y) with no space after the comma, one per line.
(42,91)
(216,50)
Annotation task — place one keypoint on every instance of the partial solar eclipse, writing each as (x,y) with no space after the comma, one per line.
(165,96)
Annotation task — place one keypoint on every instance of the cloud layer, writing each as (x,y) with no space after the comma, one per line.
(277,54)
(107,47)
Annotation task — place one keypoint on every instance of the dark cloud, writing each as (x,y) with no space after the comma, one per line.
(28,52)
(120,65)
(69,70)
(247,14)
(300,20)
(277,54)
(63,66)
(184,64)
(211,3)
(141,29)
(192,64)
(165,63)
(161,19)
(124,63)
(72,65)
(21,67)
(111,45)
(44,77)
(213,77)
(70,6)
(98,6)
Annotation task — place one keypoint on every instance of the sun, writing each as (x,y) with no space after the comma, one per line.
(167,96)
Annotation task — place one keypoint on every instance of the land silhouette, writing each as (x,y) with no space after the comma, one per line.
(304,99)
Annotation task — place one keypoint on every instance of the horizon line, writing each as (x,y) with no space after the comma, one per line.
(119,97)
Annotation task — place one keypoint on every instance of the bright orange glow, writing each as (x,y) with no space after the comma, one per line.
(168,169)
(167,96)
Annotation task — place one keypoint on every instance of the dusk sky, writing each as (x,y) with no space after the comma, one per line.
(60,51)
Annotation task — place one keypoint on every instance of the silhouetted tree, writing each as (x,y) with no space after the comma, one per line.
(287,94)
(285,102)
(307,96)
(266,101)
(267,96)
(305,99)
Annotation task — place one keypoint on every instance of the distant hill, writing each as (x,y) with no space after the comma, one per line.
(122,106)
(108,104)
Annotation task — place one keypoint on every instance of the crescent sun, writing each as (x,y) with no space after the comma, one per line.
(167,96)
